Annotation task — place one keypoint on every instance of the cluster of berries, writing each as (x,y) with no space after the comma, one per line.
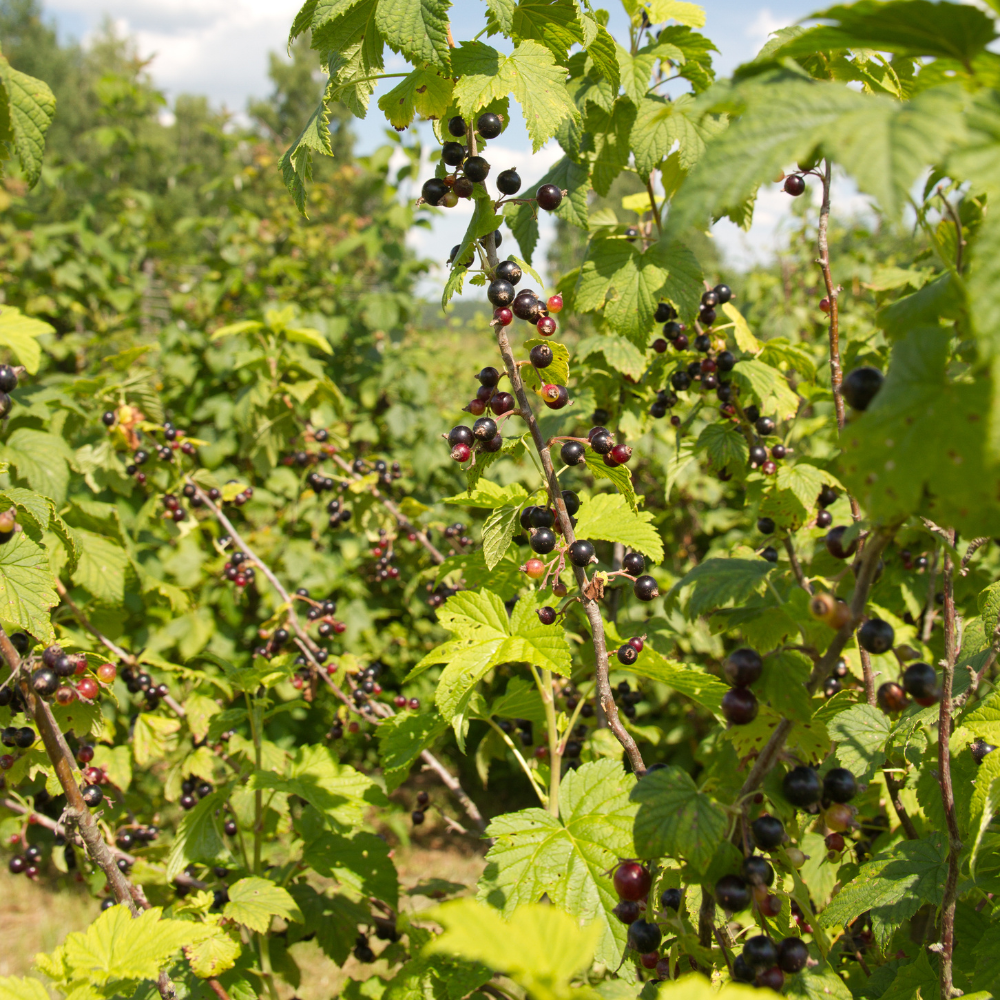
(383,553)
(164,452)
(29,863)
(629,698)
(525,304)
(441,593)
(339,514)
(238,569)
(48,680)
(131,837)
(461,172)
(602,442)
(323,612)
(456,533)
(8,383)
(191,787)
(742,668)
(417,817)
(909,563)
(542,525)
(524,728)
(489,395)
(143,683)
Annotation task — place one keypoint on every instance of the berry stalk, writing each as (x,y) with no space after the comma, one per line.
(836,371)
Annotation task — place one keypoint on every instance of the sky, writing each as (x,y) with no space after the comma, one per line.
(220,48)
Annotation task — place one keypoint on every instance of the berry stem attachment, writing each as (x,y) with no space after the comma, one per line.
(823,241)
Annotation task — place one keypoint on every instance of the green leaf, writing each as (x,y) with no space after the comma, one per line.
(19,333)
(296,172)
(307,335)
(620,353)
(557,372)
(727,448)
(554,23)
(30,108)
(568,176)
(893,887)
(906,27)
(608,517)
(529,73)
(199,836)
(745,340)
(603,52)
(684,284)
(619,475)
(861,734)
(26,586)
(254,901)
(716,582)
(921,444)
(332,919)
(422,92)
(214,955)
(694,682)
(567,859)
(361,861)
(22,988)
(153,737)
(984,719)
(498,531)
(984,805)
(436,977)
(101,568)
(418,29)
(345,33)
(938,299)
(662,125)
(40,458)
(915,979)
(808,741)
(488,495)
(768,387)
(402,738)
(484,221)
(542,950)
(675,10)
(675,819)
(820,983)
(791,498)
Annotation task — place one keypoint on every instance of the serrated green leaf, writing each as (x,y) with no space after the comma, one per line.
(791,498)
(783,685)
(684,284)
(498,531)
(689,14)
(542,950)
(214,955)
(808,741)
(768,387)
(893,886)
(697,684)
(675,819)
(30,108)
(567,859)
(861,734)
(101,567)
(199,836)
(716,582)
(567,175)
(19,333)
(662,125)
(619,475)
(608,517)
(26,586)
(557,372)
(418,29)
(22,988)
(254,901)
(984,805)
(296,169)
(361,861)
(40,458)
(402,738)
(554,23)
(488,495)
(726,446)
(620,353)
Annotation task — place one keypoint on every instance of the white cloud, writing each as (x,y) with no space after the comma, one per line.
(763,25)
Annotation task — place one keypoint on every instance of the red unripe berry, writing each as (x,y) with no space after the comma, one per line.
(839,817)
(6,762)
(476,407)
(400,701)
(297,682)
(411,537)
(546,326)
(621,453)
(85,754)
(87,688)
(541,752)
(503,316)
(555,303)
(461,452)
(769,468)
(650,959)
(632,880)
(81,665)
(414,704)
(241,580)
(535,568)
(636,643)
(93,775)
(106,673)
(339,627)
(834,842)
(824,305)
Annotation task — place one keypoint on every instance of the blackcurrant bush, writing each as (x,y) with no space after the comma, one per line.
(541,355)
(839,785)
(743,667)
(645,588)
(732,893)
(759,952)
(509,271)
(670,899)
(434,190)
(548,197)
(835,545)
(757,871)
(508,182)
(794,185)
(739,706)
(543,541)
(634,563)
(765,525)
(876,636)
(801,787)
(768,832)
(489,125)
(920,682)
(793,954)
(476,168)
(581,552)
(861,386)
(632,881)
(500,292)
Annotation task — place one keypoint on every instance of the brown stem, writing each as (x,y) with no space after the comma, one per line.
(894,789)
(856,951)
(796,567)
(950,900)
(836,371)
(869,676)
(929,613)
(217,988)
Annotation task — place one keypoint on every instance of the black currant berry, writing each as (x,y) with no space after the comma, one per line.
(739,706)
(500,292)
(542,517)
(547,615)
(794,185)
(709,299)
(645,588)
(670,899)
(665,312)
(24,738)
(835,545)
(581,552)
(457,126)
(20,641)
(725,361)
(742,973)
(758,454)
(548,197)
(839,785)
(453,153)
(644,936)
(543,540)
(509,271)
(891,697)
(920,681)
(627,911)
(765,426)
(757,871)
(508,182)
(489,376)
(632,880)
(573,453)
(541,356)
(824,519)
(732,893)
(526,306)
(525,518)
(703,343)
(627,654)
(707,317)
(484,429)
(8,379)
(572,502)
(108,418)
(861,386)
(680,380)
(476,168)
(602,442)
(979,749)
(634,563)
(802,787)
(793,954)
(92,795)
(876,636)
(723,293)
(768,832)
(434,190)
(743,667)
(765,525)
(457,435)
(44,681)
(759,952)
(489,125)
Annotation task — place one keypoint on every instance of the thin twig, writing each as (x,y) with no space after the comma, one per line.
(796,567)
(869,676)
(976,543)
(929,612)
(959,240)
(894,788)
(836,371)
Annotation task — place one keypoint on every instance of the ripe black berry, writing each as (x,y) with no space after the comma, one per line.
(461,435)
(453,153)
(602,442)
(484,429)
(92,795)
(548,197)
(765,525)
(627,654)
(581,552)
(861,386)
(839,785)
(24,737)
(20,641)
(572,502)
(664,313)
(476,168)
(542,517)
(768,832)
(891,697)
(725,361)
(876,636)
(526,305)
(979,749)
(794,185)
(757,871)
(759,952)
(758,455)
(108,418)
(489,125)
(44,681)
(743,666)
(739,706)
(732,893)
(547,615)
(670,899)
(509,271)
(824,519)
(835,546)
(627,911)
(434,190)
(489,376)
(644,936)
(723,293)
(742,973)
(541,355)
(634,563)
(680,380)
(508,182)
(525,518)
(709,299)
(500,292)
(801,787)
(793,954)
(543,541)
(920,682)
(645,588)
(573,453)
